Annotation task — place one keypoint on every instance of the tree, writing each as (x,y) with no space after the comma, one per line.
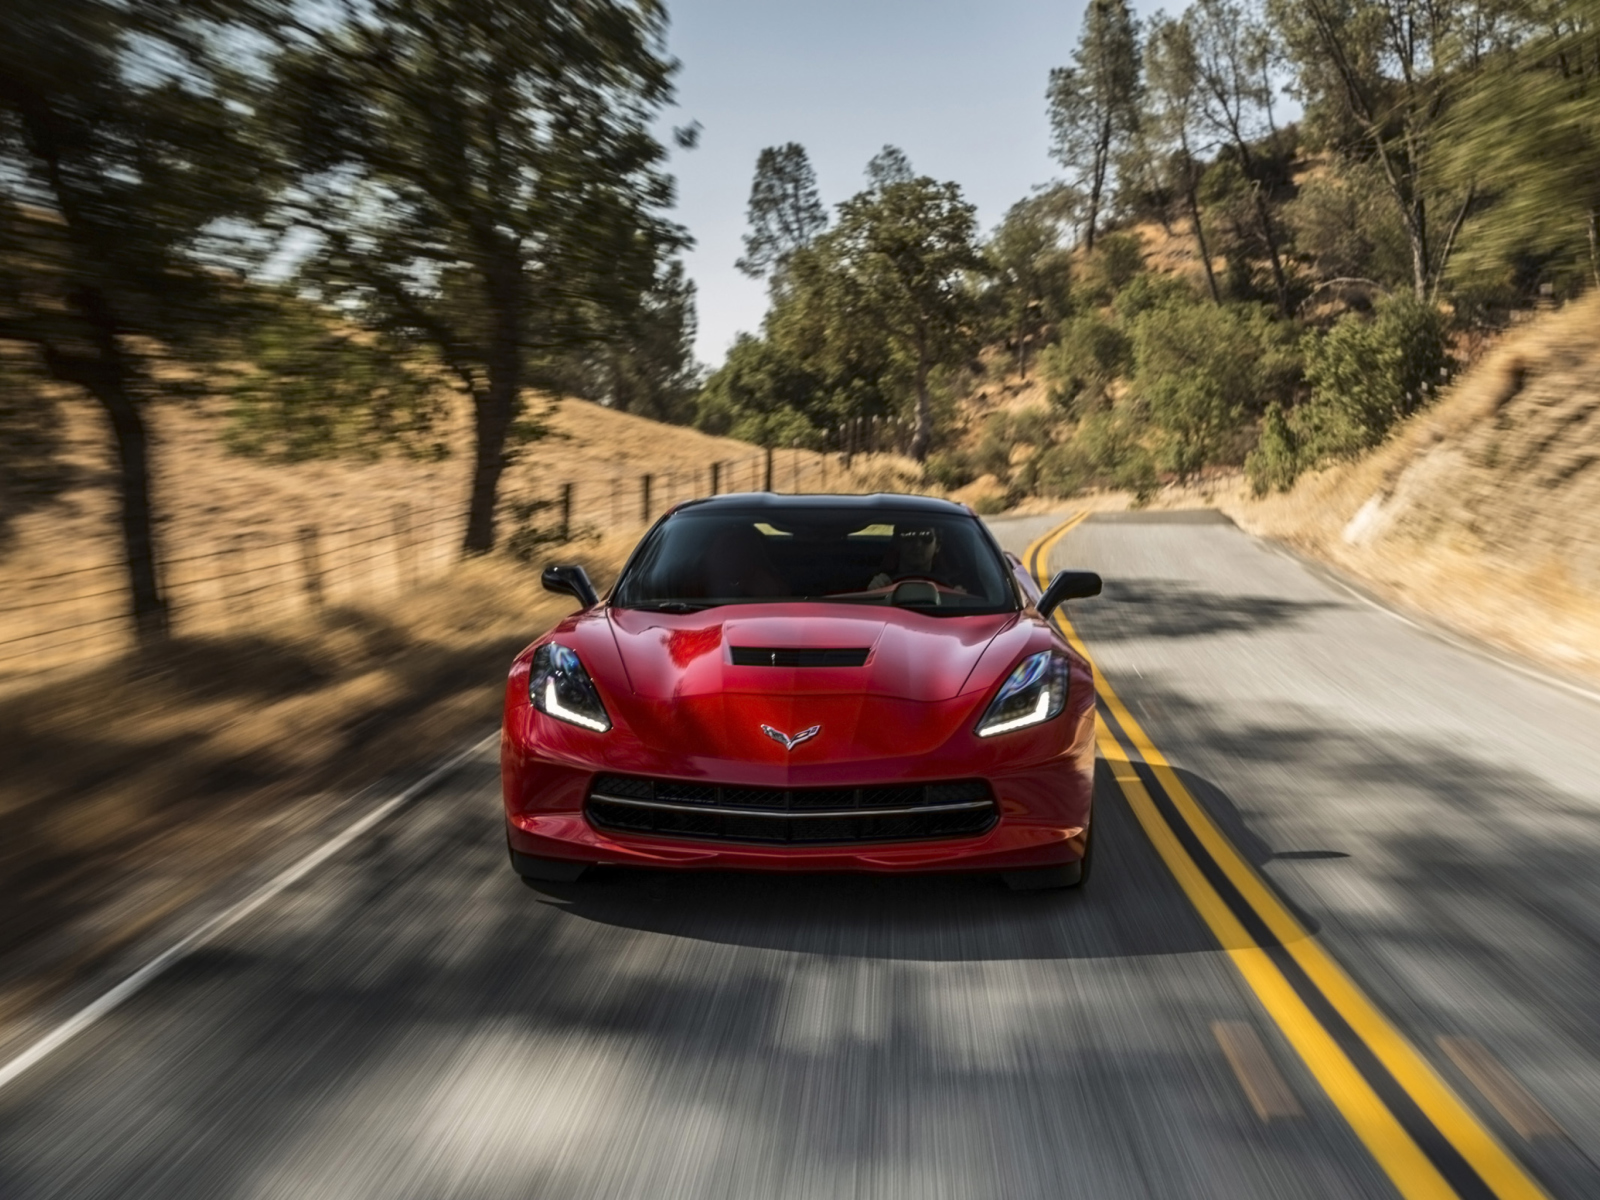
(647,365)
(889,166)
(1366,374)
(1388,71)
(1029,271)
(1232,61)
(1172,73)
(118,156)
(479,174)
(902,249)
(1200,370)
(1530,128)
(1094,104)
(785,212)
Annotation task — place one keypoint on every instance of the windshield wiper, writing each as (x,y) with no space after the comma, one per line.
(672,606)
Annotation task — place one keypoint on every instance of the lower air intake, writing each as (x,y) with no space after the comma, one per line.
(791,816)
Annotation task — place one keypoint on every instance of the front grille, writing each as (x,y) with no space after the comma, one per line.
(791,816)
(759,656)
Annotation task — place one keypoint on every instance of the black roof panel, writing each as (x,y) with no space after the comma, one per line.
(778,501)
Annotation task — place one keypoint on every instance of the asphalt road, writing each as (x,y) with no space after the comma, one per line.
(410,1021)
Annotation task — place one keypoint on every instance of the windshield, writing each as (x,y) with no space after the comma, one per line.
(934,562)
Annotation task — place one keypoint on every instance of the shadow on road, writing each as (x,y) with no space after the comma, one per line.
(1130,907)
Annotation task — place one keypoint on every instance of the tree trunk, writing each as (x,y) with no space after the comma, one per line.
(924,434)
(1199,231)
(1417,231)
(494,409)
(106,378)
(1594,246)
(1279,280)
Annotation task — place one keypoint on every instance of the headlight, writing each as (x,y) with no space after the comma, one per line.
(559,687)
(1035,692)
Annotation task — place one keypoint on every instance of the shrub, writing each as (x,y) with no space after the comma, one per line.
(950,469)
(1367,374)
(1113,443)
(1118,259)
(1201,370)
(1275,462)
(1090,353)
(1149,291)
(1056,471)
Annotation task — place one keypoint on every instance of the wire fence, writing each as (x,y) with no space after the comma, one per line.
(245,579)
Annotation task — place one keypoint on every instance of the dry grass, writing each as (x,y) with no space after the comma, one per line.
(131,786)
(129,791)
(229,527)
(1484,510)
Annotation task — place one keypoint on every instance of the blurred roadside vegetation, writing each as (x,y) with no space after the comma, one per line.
(351,222)
(1208,286)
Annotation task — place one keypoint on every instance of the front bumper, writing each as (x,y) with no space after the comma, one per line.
(1042,788)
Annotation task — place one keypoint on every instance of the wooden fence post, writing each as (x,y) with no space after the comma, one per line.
(644,499)
(566,512)
(768,486)
(716,477)
(404,552)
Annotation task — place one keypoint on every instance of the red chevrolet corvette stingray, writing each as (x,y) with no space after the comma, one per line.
(806,683)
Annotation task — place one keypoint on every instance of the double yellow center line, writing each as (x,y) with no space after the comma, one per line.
(1418,1130)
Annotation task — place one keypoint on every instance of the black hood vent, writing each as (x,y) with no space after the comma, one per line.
(759,656)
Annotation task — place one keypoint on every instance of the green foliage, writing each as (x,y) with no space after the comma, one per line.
(1094,106)
(119,160)
(1117,260)
(1200,370)
(1029,272)
(950,469)
(1367,374)
(763,395)
(1528,137)
(645,364)
(1148,291)
(481,175)
(785,212)
(1113,442)
(870,316)
(1058,470)
(1346,222)
(314,390)
(1090,353)
(1380,80)
(1274,464)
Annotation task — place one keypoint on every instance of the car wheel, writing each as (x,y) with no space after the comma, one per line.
(1068,875)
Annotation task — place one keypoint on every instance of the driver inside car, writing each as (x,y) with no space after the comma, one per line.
(913,557)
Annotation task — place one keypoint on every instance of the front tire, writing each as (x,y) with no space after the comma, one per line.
(535,871)
(1068,875)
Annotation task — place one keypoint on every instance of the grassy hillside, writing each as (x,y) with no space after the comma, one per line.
(1484,509)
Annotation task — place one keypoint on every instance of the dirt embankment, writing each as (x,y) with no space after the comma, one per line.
(1484,510)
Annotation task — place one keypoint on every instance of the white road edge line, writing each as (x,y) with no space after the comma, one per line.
(134,983)
(1440,632)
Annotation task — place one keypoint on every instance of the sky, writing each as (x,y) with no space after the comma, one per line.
(958,86)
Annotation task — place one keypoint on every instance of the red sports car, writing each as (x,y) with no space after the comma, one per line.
(806,683)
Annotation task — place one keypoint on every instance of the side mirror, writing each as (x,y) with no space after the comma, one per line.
(1068,585)
(571,581)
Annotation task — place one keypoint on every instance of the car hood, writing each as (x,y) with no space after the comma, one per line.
(909,656)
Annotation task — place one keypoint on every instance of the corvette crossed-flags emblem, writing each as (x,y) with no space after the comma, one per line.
(789,743)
